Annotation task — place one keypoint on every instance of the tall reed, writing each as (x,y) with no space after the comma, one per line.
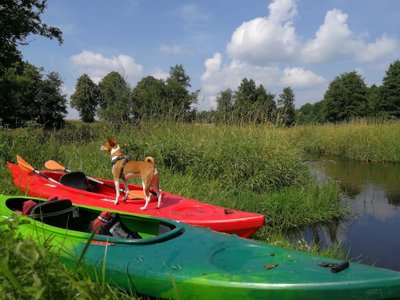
(360,140)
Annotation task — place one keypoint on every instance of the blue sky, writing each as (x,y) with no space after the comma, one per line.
(303,44)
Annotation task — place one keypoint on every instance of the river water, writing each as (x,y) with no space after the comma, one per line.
(371,233)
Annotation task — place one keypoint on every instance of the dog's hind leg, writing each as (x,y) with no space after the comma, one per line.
(156,187)
(146,195)
(126,188)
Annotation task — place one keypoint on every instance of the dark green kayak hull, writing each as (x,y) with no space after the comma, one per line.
(196,263)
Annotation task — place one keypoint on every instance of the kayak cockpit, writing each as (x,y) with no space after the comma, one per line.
(62,214)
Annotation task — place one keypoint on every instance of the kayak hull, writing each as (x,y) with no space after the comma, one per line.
(173,207)
(196,263)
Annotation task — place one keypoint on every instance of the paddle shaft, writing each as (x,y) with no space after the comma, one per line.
(95,180)
(45,176)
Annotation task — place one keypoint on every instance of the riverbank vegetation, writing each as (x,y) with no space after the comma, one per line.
(363,140)
(261,169)
(232,166)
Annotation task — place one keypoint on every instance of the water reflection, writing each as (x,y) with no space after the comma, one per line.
(372,193)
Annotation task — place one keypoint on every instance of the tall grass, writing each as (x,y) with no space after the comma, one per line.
(360,140)
(32,271)
(241,167)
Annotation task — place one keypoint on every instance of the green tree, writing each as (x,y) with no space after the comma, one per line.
(373,101)
(179,75)
(225,100)
(265,107)
(178,99)
(286,108)
(346,98)
(18,20)
(26,96)
(50,103)
(312,113)
(253,104)
(390,91)
(305,114)
(18,86)
(85,98)
(115,99)
(148,95)
(246,97)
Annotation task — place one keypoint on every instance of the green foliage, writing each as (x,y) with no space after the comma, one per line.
(19,19)
(286,109)
(32,271)
(390,91)
(85,98)
(312,113)
(253,104)
(171,100)
(225,101)
(361,140)
(253,168)
(233,158)
(178,100)
(373,101)
(29,98)
(148,95)
(346,98)
(115,99)
(294,207)
(50,103)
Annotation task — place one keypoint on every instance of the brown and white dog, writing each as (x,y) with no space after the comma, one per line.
(123,168)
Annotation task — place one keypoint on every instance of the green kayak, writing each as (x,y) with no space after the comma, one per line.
(173,260)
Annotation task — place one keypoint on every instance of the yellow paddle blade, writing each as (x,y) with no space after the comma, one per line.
(136,194)
(53,165)
(23,164)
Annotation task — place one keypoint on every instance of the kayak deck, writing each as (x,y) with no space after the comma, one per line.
(173,206)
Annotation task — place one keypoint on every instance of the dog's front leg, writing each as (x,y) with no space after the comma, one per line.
(116,182)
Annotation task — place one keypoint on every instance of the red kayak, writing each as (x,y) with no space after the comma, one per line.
(101,193)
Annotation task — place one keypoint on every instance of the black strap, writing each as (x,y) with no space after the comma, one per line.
(126,160)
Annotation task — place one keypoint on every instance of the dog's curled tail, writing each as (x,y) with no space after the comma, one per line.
(150,160)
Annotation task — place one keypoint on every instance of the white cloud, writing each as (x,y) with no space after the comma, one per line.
(159,74)
(97,66)
(383,48)
(333,39)
(172,49)
(273,39)
(308,86)
(218,77)
(269,51)
(301,78)
(268,39)
(213,65)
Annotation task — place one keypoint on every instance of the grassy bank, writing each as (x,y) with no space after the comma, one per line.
(251,168)
(360,140)
(244,168)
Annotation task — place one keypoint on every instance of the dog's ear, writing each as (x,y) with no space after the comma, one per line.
(112,142)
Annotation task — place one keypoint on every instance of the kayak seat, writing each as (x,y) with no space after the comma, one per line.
(76,180)
(59,213)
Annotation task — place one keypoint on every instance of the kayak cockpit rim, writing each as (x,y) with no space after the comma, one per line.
(165,229)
